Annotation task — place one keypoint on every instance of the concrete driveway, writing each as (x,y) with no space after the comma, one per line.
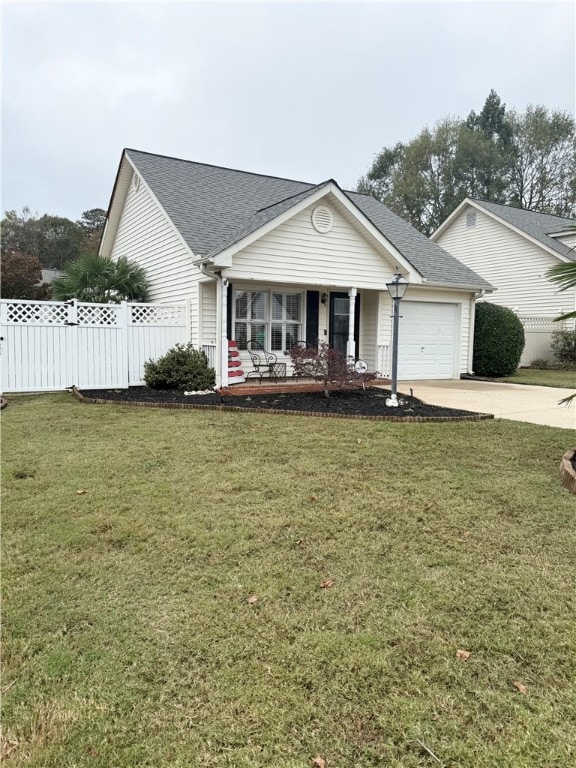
(519,402)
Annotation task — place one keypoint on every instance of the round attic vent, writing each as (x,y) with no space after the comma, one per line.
(322,219)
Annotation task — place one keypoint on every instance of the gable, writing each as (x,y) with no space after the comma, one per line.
(513,264)
(295,252)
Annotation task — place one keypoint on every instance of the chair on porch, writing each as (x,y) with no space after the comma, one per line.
(265,363)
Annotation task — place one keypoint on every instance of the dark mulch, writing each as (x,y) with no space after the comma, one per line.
(368,402)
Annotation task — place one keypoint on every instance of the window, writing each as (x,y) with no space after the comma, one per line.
(286,320)
(277,327)
(251,317)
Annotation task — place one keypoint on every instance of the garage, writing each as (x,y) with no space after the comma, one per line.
(428,344)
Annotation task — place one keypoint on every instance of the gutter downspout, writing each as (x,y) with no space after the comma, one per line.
(473,299)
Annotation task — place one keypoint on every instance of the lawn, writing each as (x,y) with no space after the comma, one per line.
(130,635)
(545,378)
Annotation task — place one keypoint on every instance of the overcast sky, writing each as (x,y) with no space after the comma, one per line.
(308,91)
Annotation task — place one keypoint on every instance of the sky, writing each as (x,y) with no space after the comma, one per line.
(302,90)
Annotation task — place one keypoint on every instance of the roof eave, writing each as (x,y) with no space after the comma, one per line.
(461,286)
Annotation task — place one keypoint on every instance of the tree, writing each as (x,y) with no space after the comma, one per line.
(527,160)
(20,232)
(59,241)
(53,239)
(328,365)
(98,279)
(543,176)
(424,180)
(92,224)
(21,277)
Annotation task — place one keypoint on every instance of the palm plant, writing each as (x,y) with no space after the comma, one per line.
(98,279)
(564,275)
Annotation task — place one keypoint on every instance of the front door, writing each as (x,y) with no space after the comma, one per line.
(338,321)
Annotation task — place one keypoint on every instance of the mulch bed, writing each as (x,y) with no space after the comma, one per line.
(368,404)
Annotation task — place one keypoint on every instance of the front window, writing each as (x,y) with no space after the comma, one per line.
(277,327)
(286,320)
(251,317)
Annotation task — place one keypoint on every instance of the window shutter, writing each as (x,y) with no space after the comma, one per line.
(229,306)
(312,308)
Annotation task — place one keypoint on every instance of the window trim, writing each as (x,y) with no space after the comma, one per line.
(269,291)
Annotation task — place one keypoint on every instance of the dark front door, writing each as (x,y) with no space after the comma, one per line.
(338,321)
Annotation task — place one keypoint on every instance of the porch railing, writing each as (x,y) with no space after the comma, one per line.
(210,352)
(383,361)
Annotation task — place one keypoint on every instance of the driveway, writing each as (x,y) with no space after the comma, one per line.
(519,402)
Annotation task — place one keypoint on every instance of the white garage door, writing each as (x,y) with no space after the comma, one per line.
(428,339)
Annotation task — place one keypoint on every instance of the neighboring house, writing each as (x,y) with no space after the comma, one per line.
(513,249)
(49,275)
(282,261)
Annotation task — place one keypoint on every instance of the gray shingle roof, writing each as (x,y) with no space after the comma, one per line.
(537,225)
(214,207)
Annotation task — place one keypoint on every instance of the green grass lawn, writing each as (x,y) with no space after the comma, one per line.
(129,639)
(542,378)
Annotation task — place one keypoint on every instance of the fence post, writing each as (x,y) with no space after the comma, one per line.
(124,342)
(73,335)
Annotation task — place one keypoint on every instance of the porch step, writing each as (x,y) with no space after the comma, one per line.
(235,371)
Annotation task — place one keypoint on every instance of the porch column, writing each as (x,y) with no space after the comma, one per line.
(351,345)
(223,314)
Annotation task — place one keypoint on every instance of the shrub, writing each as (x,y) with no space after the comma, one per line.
(327,365)
(498,340)
(182,367)
(564,347)
(540,364)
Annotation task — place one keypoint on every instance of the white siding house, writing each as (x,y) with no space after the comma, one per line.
(511,249)
(284,261)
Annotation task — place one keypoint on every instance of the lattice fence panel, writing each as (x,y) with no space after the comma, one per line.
(157,314)
(98,314)
(43,313)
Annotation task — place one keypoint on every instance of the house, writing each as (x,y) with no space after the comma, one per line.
(513,249)
(283,261)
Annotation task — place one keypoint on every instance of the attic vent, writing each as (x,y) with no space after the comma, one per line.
(470,219)
(322,220)
(136,182)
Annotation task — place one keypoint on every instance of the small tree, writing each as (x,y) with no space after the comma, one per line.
(21,277)
(328,365)
(498,340)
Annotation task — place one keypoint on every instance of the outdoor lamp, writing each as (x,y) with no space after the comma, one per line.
(397,288)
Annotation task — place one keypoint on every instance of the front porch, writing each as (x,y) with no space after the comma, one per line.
(280,315)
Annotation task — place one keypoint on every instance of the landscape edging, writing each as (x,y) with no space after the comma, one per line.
(567,471)
(278,411)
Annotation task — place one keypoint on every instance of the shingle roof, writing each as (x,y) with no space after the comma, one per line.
(214,207)
(537,225)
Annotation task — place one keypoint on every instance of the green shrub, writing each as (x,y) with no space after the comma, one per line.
(564,348)
(498,340)
(182,367)
(540,364)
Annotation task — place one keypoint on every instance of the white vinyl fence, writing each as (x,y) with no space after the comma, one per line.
(538,337)
(52,345)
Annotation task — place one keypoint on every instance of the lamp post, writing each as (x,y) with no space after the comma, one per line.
(397,287)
